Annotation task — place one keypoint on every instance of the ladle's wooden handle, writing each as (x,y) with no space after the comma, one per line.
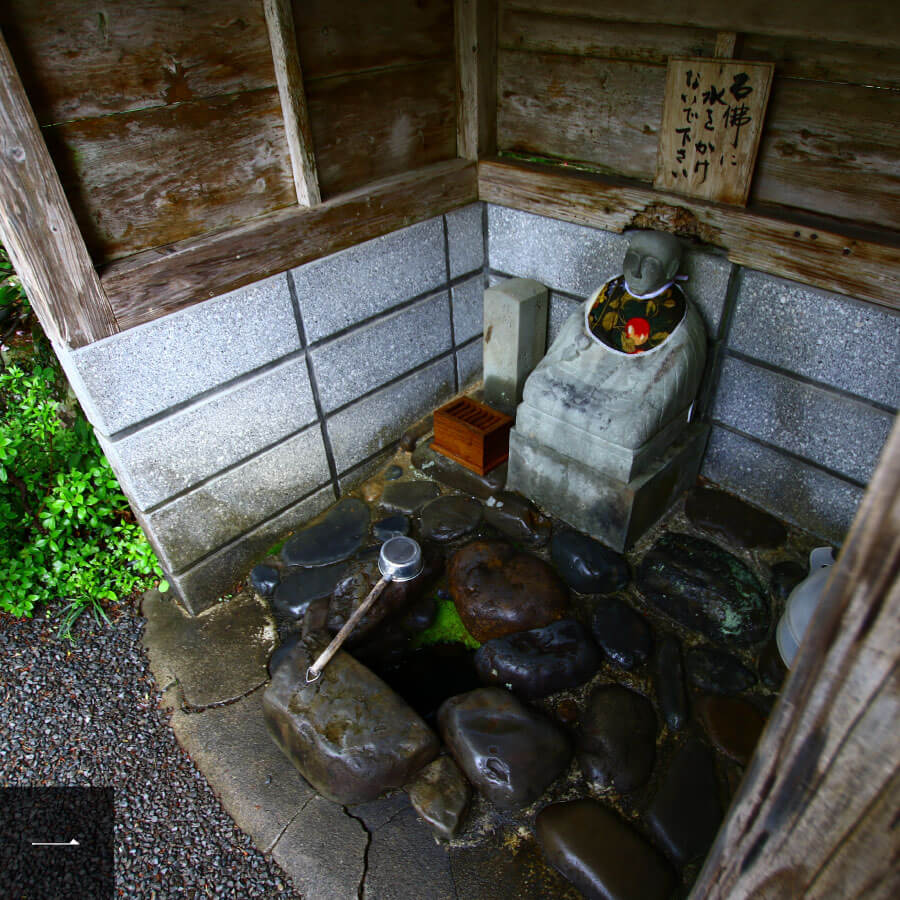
(315,670)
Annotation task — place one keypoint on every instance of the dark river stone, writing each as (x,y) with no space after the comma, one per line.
(670,688)
(623,634)
(540,661)
(392,473)
(440,795)
(435,465)
(785,577)
(703,587)
(733,725)
(333,537)
(734,520)
(772,670)
(616,746)
(586,565)
(600,854)
(510,753)
(449,518)
(299,589)
(392,526)
(717,672)
(349,734)
(264,579)
(282,651)
(408,496)
(518,519)
(684,815)
(499,590)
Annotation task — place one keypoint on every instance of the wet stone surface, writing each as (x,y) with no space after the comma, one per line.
(264,579)
(408,496)
(705,588)
(600,854)
(730,518)
(510,753)
(580,660)
(448,518)
(499,590)
(541,661)
(518,519)
(587,565)
(717,672)
(293,596)
(334,536)
(623,634)
(616,746)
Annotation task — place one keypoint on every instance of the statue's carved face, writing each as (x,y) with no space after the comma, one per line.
(651,261)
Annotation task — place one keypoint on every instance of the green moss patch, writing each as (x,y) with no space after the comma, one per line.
(447,628)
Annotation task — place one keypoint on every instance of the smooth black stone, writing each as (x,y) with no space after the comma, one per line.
(617,741)
(785,577)
(731,518)
(705,588)
(733,725)
(264,579)
(283,651)
(541,661)
(600,854)
(440,795)
(426,677)
(670,689)
(717,672)
(518,519)
(510,753)
(623,633)
(297,591)
(586,565)
(392,526)
(451,473)
(685,813)
(335,536)
(392,473)
(448,518)
(408,496)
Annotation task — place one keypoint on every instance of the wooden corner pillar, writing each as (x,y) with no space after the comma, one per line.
(289,76)
(38,229)
(475,22)
(818,812)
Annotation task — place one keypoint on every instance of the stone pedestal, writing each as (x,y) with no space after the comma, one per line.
(515,337)
(613,511)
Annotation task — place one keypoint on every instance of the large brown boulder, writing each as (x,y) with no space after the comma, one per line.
(499,590)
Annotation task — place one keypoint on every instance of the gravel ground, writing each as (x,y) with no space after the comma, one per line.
(88,715)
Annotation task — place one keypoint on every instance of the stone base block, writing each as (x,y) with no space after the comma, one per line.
(615,512)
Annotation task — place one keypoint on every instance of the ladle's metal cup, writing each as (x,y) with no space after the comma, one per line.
(400,559)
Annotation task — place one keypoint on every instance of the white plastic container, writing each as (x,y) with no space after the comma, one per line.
(802,604)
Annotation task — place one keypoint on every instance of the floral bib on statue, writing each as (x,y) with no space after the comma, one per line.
(634,324)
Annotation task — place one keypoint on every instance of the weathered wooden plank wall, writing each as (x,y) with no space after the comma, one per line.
(585,82)
(164,118)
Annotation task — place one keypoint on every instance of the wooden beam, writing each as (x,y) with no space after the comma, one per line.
(725,44)
(817,812)
(283,38)
(476,77)
(860,264)
(160,281)
(38,229)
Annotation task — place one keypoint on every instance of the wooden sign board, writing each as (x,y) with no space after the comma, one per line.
(712,122)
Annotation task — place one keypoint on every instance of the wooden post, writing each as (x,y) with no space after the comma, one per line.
(283,38)
(725,44)
(476,77)
(817,813)
(38,228)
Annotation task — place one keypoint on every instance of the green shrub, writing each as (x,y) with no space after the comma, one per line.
(67,536)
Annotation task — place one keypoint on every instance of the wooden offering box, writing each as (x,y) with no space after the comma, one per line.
(472,434)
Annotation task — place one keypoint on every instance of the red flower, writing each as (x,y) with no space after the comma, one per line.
(638,330)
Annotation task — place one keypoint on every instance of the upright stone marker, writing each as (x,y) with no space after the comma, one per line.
(515,338)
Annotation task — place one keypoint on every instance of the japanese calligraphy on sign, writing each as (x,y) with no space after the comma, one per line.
(712,121)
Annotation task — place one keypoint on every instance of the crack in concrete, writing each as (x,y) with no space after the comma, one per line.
(190,709)
(361,889)
(290,822)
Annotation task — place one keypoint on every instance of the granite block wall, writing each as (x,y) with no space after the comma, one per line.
(235,420)
(801,386)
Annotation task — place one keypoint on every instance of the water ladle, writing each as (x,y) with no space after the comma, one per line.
(400,559)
